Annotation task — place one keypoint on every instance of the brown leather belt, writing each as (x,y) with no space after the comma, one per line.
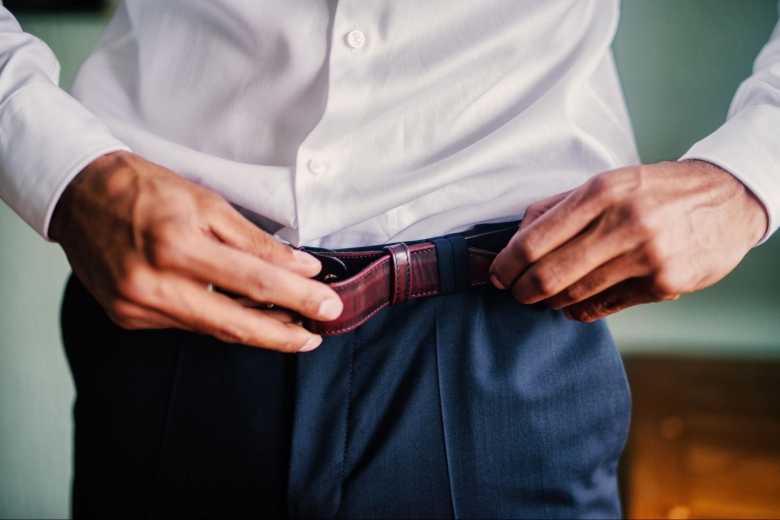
(370,279)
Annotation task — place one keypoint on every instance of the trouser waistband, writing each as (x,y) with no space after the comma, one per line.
(370,278)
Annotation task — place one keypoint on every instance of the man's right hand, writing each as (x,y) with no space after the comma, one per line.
(146,243)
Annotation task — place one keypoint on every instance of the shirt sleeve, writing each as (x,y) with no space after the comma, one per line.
(46,136)
(748,143)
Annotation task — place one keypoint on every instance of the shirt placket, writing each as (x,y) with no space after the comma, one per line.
(322,170)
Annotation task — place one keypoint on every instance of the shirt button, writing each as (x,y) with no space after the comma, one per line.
(356,39)
(317,167)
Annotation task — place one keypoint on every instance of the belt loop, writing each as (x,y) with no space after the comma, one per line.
(402,272)
(453,262)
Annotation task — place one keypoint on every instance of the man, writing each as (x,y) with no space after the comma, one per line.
(199,129)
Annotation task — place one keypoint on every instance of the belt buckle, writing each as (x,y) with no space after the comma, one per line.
(333,267)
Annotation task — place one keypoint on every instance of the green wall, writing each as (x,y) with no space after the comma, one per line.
(680,62)
(36,391)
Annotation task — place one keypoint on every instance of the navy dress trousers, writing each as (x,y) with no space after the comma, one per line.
(463,405)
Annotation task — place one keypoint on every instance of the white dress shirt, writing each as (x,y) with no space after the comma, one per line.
(352,122)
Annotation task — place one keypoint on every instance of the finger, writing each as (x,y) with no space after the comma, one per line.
(134,316)
(539,208)
(280,315)
(608,238)
(160,321)
(272,312)
(219,316)
(283,316)
(629,265)
(236,271)
(232,228)
(634,291)
(553,228)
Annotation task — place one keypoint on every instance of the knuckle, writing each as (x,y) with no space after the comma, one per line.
(122,323)
(631,178)
(574,292)
(271,285)
(598,183)
(523,249)
(260,284)
(117,311)
(580,314)
(231,334)
(637,216)
(633,212)
(592,312)
(163,256)
(542,281)
(310,302)
(602,186)
(164,247)
(290,341)
(213,204)
(616,185)
(628,180)
(115,308)
(262,243)
(133,285)
(534,207)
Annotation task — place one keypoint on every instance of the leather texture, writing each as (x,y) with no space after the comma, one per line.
(370,279)
(400,259)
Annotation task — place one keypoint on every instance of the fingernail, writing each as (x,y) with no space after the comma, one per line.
(312,343)
(305,258)
(330,309)
(496,282)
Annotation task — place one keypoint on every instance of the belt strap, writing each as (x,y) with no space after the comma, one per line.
(368,280)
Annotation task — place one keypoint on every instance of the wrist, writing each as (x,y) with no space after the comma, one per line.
(759,216)
(62,215)
(754,213)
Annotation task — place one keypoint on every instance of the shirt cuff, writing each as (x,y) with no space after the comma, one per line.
(747,146)
(46,139)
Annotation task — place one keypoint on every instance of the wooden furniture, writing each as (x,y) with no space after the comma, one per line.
(705,438)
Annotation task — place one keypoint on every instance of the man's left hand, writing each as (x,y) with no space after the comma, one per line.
(629,236)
